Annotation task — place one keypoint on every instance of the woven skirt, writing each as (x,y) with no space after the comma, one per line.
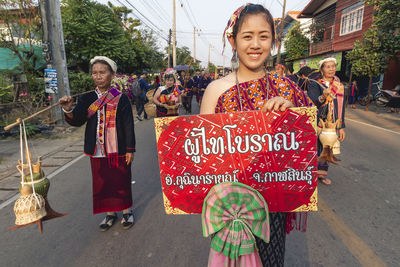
(111,185)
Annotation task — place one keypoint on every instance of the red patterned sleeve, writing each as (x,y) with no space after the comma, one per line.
(291,91)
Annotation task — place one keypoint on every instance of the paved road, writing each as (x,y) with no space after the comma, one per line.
(357,223)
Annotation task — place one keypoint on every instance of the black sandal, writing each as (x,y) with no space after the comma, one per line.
(108,221)
(128,220)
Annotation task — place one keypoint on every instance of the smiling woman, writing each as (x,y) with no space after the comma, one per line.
(250,32)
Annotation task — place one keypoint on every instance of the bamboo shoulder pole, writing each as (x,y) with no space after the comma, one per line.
(19,120)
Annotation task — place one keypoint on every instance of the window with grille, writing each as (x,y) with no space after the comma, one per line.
(352,18)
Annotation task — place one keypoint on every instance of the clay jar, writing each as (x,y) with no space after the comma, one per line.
(40,183)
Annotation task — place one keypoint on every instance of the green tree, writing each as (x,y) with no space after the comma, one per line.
(91,29)
(183,57)
(381,41)
(211,67)
(142,43)
(367,57)
(387,22)
(317,31)
(148,55)
(296,43)
(22,32)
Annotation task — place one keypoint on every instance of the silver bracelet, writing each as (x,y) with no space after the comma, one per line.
(67,112)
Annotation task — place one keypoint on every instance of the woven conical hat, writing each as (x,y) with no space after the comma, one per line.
(27,209)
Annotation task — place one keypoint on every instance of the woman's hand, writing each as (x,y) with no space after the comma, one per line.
(66,103)
(342,134)
(277,104)
(326,93)
(128,158)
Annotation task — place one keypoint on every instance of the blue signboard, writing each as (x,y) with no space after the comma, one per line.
(50,78)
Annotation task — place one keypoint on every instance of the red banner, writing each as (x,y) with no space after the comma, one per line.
(273,152)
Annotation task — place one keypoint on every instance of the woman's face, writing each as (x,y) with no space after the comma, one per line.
(253,42)
(329,69)
(102,75)
(169,82)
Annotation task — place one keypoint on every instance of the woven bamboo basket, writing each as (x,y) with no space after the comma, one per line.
(149,95)
(27,209)
(150,109)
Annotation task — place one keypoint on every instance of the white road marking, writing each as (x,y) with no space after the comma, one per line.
(12,199)
(380,128)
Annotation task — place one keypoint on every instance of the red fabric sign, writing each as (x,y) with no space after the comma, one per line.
(275,153)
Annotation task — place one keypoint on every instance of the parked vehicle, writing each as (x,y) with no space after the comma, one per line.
(376,95)
(382,98)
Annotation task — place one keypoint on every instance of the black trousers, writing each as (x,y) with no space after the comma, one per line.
(273,253)
(140,106)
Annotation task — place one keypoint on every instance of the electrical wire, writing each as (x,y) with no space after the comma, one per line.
(141,20)
(154,11)
(163,12)
(187,14)
(154,28)
(128,2)
(191,12)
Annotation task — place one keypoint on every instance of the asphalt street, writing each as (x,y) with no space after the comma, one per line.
(357,224)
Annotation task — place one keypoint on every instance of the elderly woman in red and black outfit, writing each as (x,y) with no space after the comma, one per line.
(109,141)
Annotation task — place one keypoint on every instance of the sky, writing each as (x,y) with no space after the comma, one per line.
(208,16)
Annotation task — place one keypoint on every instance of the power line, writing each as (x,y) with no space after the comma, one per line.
(301,3)
(153,11)
(157,29)
(205,33)
(168,18)
(203,38)
(191,12)
(187,14)
(144,16)
(270,5)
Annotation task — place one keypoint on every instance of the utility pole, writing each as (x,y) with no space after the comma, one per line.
(173,34)
(53,47)
(209,53)
(280,35)
(223,65)
(169,48)
(194,43)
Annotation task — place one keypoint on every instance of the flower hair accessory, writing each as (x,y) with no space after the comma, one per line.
(228,32)
(170,71)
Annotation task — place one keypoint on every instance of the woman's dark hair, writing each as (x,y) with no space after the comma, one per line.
(253,9)
(290,68)
(306,70)
(102,62)
(169,76)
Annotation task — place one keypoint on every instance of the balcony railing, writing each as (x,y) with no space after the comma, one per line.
(320,48)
